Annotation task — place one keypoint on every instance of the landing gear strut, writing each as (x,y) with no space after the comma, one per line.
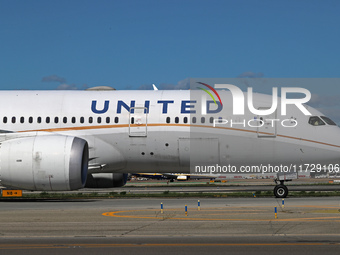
(280,190)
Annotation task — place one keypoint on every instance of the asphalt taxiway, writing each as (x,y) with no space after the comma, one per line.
(238,225)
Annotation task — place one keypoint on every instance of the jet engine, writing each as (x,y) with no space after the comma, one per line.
(106,180)
(44,162)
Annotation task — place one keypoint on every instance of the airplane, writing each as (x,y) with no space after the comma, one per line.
(176,176)
(67,140)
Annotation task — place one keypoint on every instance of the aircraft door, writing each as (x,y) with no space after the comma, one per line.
(138,118)
(267,124)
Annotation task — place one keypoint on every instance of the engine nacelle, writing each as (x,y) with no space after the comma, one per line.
(45,162)
(106,180)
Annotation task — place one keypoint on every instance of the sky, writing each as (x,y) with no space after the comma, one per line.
(132,44)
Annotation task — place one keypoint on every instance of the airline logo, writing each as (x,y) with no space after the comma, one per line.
(239,99)
(209,93)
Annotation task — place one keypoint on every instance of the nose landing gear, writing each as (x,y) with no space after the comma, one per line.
(280,190)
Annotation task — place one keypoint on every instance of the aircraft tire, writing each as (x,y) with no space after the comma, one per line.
(281,191)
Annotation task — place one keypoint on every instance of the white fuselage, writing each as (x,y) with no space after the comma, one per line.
(166,131)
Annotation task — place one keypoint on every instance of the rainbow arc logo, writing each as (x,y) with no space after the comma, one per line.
(209,93)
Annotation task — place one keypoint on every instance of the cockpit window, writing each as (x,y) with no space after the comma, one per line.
(328,120)
(315,121)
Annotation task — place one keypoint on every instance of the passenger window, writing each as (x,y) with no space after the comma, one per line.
(47,119)
(193,119)
(39,119)
(116,119)
(30,119)
(185,119)
(167,119)
(211,119)
(90,119)
(176,120)
(4,120)
(99,120)
(315,121)
(22,120)
(132,120)
(202,120)
(73,120)
(56,120)
(65,120)
(13,120)
(81,119)
(328,121)
(108,120)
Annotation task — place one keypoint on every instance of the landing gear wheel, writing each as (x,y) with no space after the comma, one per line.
(281,191)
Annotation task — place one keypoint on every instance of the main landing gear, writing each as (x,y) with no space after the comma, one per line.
(280,190)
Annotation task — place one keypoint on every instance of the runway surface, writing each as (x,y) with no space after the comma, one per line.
(235,225)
